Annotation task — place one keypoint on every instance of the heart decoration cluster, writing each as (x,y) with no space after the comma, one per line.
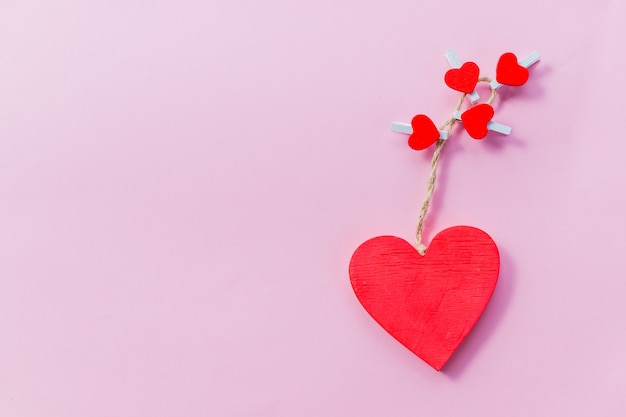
(476,118)
(429,298)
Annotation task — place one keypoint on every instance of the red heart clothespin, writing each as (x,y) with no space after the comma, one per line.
(424,134)
(509,71)
(463,79)
(475,120)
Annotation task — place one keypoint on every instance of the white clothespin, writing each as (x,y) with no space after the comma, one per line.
(526,62)
(455,62)
(400,127)
(493,126)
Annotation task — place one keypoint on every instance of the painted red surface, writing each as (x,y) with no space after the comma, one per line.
(509,72)
(475,120)
(428,303)
(425,133)
(463,79)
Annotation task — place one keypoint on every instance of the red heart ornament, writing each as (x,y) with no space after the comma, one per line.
(475,120)
(425,133)
(428,303)
(463,79)
(509,71)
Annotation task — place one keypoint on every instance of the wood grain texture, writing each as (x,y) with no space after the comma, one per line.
(428,303)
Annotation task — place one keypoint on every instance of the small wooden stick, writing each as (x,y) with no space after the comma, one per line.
(526,62)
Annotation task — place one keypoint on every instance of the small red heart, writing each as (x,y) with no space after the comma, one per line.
(509,71)
(425,133)
(428,303)
(463,79)
(475,120)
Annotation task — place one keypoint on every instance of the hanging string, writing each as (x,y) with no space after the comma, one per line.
(430,189)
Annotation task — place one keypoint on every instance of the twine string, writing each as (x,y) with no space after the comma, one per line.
(430,188)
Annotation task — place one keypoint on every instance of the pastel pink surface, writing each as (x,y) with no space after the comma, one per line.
(182,185)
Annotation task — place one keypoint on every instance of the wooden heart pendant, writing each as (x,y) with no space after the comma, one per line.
(428,303)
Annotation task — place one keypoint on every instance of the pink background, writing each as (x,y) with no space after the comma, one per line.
(182,185)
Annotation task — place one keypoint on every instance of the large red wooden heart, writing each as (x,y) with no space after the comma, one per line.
(463,79)
(428,303)
(475,120)
(425,133)
(509,71)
